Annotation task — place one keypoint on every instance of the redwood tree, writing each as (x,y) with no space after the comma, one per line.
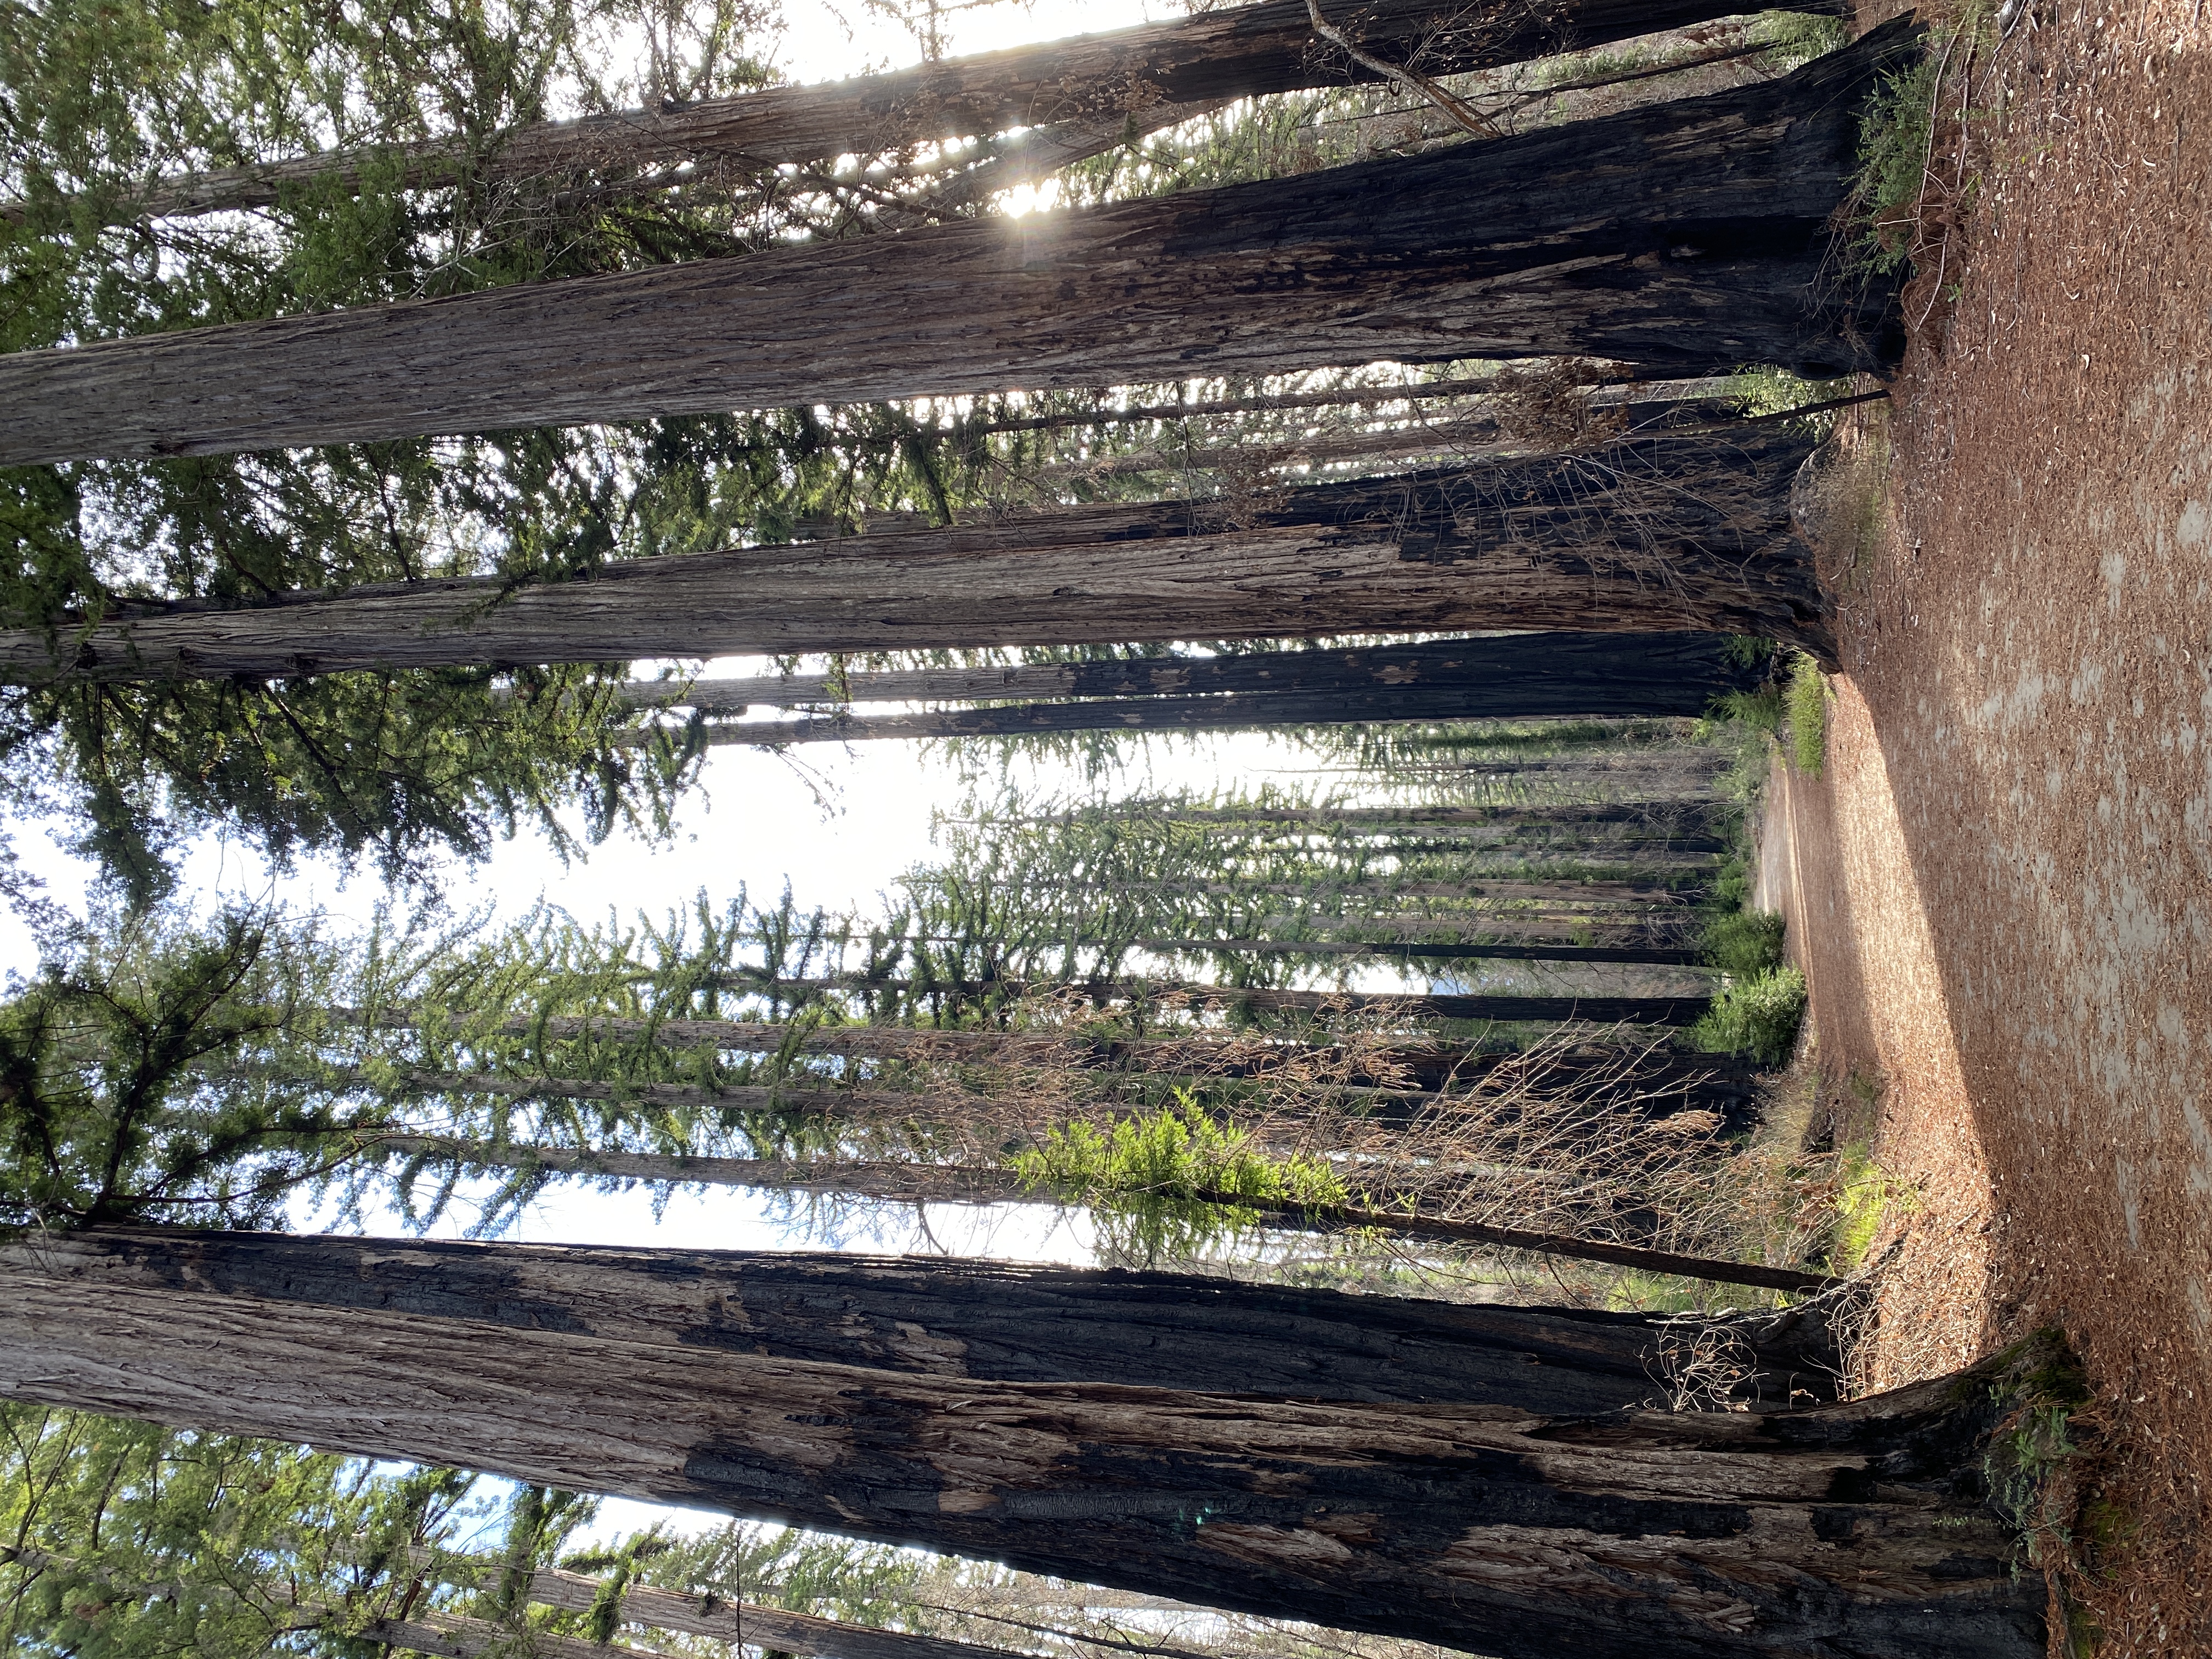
(1687,235)
(1654,533)
(1106,81)
(1859,1530)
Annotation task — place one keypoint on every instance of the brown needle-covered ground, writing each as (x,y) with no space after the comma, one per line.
(2002,885)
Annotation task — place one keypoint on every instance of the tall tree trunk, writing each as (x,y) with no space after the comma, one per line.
(1647,533)
(1652,954)
(1514,677)
(1597,1010)
(1089,80)
(1483,660)
(981,1320)
(1689,235)
(1412,1073)
(1410,930)
(1641,897)
(1410,814)
(965,1183)
(773,1629)
(1855,1529)
(1202,713)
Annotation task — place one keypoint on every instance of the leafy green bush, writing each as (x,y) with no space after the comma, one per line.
(1894,135)
(1758,1017)
(1178,1151)
(1746,943)
(1792,38)
(1805,705)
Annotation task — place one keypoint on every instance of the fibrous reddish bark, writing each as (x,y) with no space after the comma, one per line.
(1087,80)
(1856,1530)
(935,1316)
(1690,235)
(1645,536)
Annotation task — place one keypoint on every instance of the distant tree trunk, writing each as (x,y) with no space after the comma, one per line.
(1499,951)
(1597,1010)
(1408,930)
(1669,1079)
(1098,81)
(986,1322)
(1689,235)
(774,1629)
(1856,1528)
(1546,895)
(1644,535)
(1434,664)
(1569,814)
(1522,676)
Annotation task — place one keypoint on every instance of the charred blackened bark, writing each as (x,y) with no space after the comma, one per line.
(983,1320)
(1857,1529)
(1646,535)
(1682,237)
(1240,52)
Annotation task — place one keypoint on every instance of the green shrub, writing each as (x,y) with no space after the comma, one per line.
(1762,389)
(1866,1192)
(1746,943)
(1757,1016)
(1894,134)
(1805,706)
(1179,1152)
(1793,38)
(1731,883)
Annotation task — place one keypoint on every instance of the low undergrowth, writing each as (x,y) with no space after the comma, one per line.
(1805,712)
(1866,1195)
(1745,943)
(1757,1015)
(2042,1467)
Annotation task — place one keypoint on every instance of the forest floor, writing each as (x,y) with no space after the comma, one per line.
(2000,885)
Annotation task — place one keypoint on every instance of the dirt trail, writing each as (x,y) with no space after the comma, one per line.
(2005,876)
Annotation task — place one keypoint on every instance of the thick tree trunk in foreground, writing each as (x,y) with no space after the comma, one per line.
(1242,51)
(1689,235)
(989,1322)
(1646,534)
(1515,676)
(1855,1529)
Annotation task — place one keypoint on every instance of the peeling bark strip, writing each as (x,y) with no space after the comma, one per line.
(1648,534)
(1684,236)
(988,1321)
(1242,52)
(1846,1530)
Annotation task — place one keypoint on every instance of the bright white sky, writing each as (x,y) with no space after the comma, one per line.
(825,41)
